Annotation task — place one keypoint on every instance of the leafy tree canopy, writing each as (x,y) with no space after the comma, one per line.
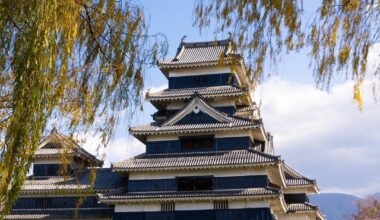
(339,37)
(76,59)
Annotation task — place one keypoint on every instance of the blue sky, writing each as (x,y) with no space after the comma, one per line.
(321,134)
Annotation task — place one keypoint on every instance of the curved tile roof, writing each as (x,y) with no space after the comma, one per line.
(293,178)
(62,213)
(296,207)
(200,54)
(156,128)
(56,144)
(106,180)
(195,159)
(262,191)
(206,92)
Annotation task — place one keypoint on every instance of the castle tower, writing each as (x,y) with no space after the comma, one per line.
(208,155)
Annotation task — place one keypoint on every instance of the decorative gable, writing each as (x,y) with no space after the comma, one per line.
(198,111)
(56,144)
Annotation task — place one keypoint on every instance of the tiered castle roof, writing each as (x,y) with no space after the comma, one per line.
(190,110)
(51,193)
(220,121)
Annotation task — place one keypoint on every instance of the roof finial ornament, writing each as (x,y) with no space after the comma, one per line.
(54,130)
(229,35)
(183,38)
(196,94)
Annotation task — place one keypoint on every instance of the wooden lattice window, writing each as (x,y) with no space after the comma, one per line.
(197,142)
(167,206)
(221,205)
(194,183)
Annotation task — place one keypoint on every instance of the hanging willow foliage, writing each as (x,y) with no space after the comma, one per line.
(262,28)
(339,37)
(77,59)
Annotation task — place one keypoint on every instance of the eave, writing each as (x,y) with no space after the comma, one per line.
(197,196)
(191,167)
(141,135)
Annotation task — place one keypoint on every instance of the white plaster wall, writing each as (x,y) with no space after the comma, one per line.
(48,161)
(247,204)
(217,173)
(220,134)
(194,206)
(154,207)
(144,207)
(199,71)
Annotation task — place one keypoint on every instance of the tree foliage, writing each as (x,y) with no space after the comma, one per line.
(77,59)
(368,209)
(339,37)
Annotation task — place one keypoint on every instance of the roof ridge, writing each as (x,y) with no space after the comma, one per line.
(197,44)
(66,143)
(294,172)
(265,154)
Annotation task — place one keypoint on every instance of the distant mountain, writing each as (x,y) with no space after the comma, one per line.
(336,206)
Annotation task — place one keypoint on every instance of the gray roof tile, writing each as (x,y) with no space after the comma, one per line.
(186,194)
(196,159)
(61,213)
(55,144)
(105,180)
(293,178)
(201,53)
(155,128)
(205,92)
(296,207)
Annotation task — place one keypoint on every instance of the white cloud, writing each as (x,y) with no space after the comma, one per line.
(117,150)
(123,148)
(323,134)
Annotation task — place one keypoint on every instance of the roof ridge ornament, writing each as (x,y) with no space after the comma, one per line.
(229,35)
(196,94)
(183,38)
(54,130)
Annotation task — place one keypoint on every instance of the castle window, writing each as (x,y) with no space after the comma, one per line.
(200,80)
(197,142)
(44,203)
(194,183)
(221,205)
(46,169)
(167,206)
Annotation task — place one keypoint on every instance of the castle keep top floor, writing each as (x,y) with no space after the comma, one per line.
(208,61)
(213,69)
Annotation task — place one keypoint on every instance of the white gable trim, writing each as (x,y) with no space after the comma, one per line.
(197,105)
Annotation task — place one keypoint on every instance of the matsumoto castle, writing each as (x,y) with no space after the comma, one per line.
(208,157)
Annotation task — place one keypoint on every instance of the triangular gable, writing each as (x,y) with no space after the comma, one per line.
(57,140)
(198,105)
(60,143)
